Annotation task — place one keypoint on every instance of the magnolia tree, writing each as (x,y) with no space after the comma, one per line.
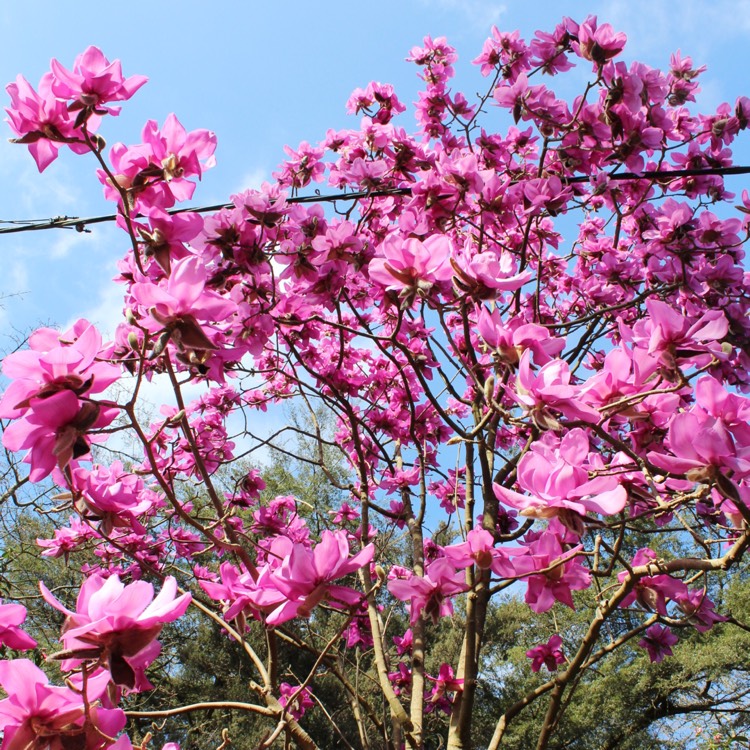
(532,344)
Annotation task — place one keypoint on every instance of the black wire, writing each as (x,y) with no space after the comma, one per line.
(79,224)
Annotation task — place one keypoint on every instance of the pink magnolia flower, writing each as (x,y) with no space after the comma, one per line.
(280,517)
(478,549)
(502,49)
(699,610)
(66,539)
(304,578)
(486,274)
(598,43)
(445,683)
(555,472)
(653,592)
(511,338)
(731,409)
(182,294)
(404,643)
(540,394)
(119,624)
(180,301)
(401,679)
(303,165)
(450,491)
(50,396)
(301,702)
(703,449)
(549,49)
(157,172)
(412,267)
(658,642)
(93,82)
(623,373)
(113,496)
(54,362)
(563,573)
(380,95)
(55,432)
(358,632)
(430,593)
(344,514)
(548,654)
(42,121)
(437,56)
(675,338)
(247,491)
(238,588)
(40,716)
(165,236)
(11,635)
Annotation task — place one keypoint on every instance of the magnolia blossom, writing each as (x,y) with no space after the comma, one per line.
(430,593)
(113,496)
(658,641)
(478,549)
(55,361)
(703,446)
(699,610)
(548,391)
(301,700)
(510,338)
(180,301)
(42,121)
(555,473)
(67,538)
(562,572)
(304,578)
(676,338)
(50,396)
(11,635)
(548,654)
(654,592)
(119,624)
(93,82)
(157,172)
(412,267)
(40,716)
(598,43)
(488,273)
(55,431)
(445,683)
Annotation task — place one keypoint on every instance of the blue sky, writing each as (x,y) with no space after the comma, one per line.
(262,75)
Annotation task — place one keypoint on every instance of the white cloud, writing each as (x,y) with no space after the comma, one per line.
(252,180)
(694,27)
(16,275)
(107,313)
(65,240)
(481,14)
(39,196)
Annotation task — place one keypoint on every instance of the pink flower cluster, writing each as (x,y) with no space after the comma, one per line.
(295,579)
(66,102)
(50,396)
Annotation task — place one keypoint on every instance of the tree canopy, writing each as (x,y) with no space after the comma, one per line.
(507,354)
